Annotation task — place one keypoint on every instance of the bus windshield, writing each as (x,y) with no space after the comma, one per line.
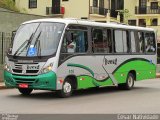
(37,39)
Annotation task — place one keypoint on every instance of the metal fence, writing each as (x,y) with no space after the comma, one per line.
(5,40)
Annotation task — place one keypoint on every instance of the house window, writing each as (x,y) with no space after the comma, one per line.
(117,4)
(142,3)
(101,3)
(95,3)
(132,22)
(154,22)
(32,3)
(142,22)
(154,5)
(120,4)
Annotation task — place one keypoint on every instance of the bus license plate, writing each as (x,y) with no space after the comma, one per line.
(23,85)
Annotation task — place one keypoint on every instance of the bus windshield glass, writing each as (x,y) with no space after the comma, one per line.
(37,39)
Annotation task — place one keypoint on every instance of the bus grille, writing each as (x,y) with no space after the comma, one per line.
(21,68)
(24,80)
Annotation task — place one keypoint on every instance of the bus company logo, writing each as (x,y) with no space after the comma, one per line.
(109,62)
(31,67)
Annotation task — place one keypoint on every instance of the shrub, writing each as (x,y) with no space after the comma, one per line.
(8,4)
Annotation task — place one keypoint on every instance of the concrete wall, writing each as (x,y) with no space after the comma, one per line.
(130,5)
(76,8)
(10,20)
(41,6)
(73,8)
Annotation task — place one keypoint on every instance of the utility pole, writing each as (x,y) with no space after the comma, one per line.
(89,11)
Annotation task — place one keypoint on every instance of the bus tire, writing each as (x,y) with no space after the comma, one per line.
(129,82)
(25,91)
(67,89)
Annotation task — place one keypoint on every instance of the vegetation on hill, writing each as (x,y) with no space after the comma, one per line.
(8,4)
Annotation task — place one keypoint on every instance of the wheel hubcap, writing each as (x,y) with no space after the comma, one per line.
(67,87)
(130,81)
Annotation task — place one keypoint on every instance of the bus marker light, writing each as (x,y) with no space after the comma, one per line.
(122,75)
(23,85)
(61,81)
(82,78)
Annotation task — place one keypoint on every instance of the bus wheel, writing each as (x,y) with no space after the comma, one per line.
(67,89)
(25,91)
(129,82)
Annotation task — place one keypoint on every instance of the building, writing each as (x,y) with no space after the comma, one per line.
(145,13)
(87,9)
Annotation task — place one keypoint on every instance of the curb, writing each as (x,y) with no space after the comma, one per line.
(158,75)
(2,86)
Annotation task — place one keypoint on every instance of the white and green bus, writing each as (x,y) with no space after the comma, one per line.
(69,54)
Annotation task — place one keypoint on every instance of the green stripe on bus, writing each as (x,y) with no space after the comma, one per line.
(89,82)
(81,66)
(144,70)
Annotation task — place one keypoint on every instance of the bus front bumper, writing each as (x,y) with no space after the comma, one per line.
(45,81)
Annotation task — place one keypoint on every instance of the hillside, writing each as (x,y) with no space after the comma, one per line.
(8,4)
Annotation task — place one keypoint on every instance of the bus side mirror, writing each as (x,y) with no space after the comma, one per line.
(11,43)
(13,35)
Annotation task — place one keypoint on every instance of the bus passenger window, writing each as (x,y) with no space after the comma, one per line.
(118,41)
(101,41)
(133,43)
(81,42)
(75,42)
(121,41)
(125,35)
(140,42)
(149,42)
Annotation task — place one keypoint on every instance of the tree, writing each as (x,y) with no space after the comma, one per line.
(8,4)
(125,14)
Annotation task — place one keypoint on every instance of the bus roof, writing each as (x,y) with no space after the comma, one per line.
(89,23)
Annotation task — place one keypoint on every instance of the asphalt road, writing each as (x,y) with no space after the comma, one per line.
(144,98)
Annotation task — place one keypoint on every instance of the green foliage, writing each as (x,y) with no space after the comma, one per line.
(125,14)
(23,10)
(8,4)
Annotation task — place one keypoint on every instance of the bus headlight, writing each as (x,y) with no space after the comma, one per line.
(7,67)
(47,69)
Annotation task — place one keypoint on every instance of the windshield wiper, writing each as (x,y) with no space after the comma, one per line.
(39,49)
(29,41)
(20,48)
(39,44)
